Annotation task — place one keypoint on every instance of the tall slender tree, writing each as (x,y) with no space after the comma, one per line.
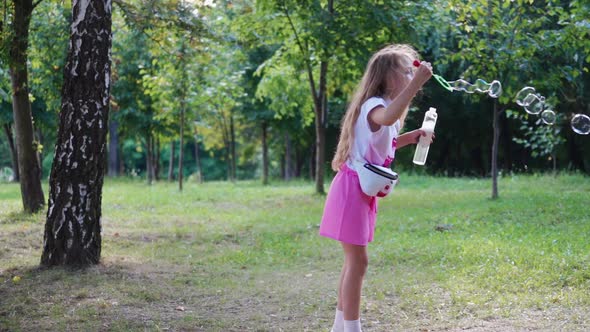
(485,33)
(314,36)
(72,231)
(29,168)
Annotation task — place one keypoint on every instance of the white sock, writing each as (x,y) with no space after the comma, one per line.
(352,325)
(338,321)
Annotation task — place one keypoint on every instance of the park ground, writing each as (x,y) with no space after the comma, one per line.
(246,257)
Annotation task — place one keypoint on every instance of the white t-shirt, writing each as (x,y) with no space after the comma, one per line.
(375,147)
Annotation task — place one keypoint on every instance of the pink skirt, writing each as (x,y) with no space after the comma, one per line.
(349,214)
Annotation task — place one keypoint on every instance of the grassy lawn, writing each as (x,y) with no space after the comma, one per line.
(243,257)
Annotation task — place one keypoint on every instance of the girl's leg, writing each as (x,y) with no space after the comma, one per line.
(355,267)
(340,284)
(338,325)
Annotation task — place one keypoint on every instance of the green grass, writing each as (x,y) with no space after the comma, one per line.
(241,256)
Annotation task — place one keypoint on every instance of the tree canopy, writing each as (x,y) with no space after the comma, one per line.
(228,83)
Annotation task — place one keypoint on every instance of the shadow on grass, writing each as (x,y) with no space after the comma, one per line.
(108,296)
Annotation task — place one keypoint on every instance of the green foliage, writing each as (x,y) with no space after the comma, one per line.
(47,53)
(251,62)
(285,89)
(6,31)
(541,139)
(5,98)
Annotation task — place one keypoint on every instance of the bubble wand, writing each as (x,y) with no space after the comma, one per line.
(444,83)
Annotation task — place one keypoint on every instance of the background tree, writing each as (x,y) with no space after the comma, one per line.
(73,227)
(497,39)
(15,43)
(315,34)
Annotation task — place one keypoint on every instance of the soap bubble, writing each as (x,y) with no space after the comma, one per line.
(581,124)
(523,94)
(462,85)
(531,101)
(493,89)
(548,116)
(534,104)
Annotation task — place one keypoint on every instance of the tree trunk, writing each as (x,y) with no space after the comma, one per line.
(232,135)
(13,152)
(149,160)
(299,162)
(29,168)
(320,127)
(321,108)
(113,148)
(495,150)
(181,148)
(198,160)
(157,159)
(283,166)
(226,146)
(171,163)
(183,96)
(288,158)
(319,98)
(228,161)
(312,161)
(73,227)
(264,153)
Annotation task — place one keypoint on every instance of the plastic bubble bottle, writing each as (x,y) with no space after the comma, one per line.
(424,144)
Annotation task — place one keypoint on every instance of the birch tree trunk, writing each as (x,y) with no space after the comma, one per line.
(73,227)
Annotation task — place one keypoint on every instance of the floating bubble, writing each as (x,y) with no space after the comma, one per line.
(581,124)
(534,104)
(548,116)
(523,94)
(493,89)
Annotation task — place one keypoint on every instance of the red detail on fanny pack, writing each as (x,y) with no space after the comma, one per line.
(389,159)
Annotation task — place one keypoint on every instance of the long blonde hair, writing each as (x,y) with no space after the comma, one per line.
(373,84)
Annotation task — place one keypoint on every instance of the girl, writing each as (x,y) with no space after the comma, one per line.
(369,132)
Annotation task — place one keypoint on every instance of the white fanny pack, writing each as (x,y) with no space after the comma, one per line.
(375,180)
